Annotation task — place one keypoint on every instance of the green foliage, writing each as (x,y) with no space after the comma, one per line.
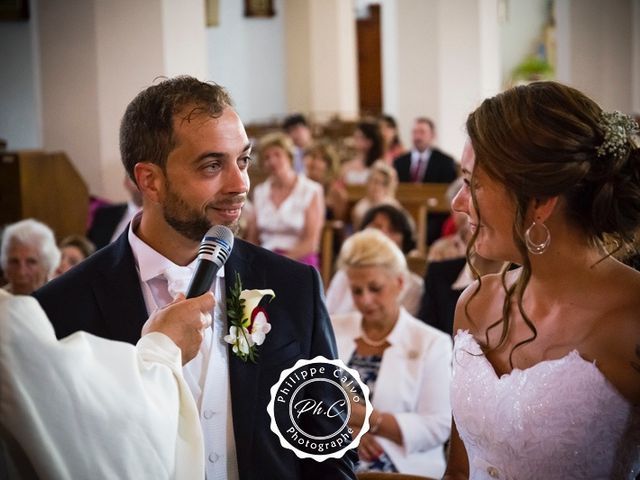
(533,68)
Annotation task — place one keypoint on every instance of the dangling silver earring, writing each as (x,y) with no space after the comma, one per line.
(541,247)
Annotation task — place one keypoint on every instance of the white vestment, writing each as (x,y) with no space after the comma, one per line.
(86,407)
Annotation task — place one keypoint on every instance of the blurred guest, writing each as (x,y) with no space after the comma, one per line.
(367,142)
(297,128)
(246,217)
(381,189)
(405,363)
(288,208)
(395,224)
(426,164)
(444,282)
(453,245)
(28,255)
(73,250)
(109,221)
(390,137)
(321,165)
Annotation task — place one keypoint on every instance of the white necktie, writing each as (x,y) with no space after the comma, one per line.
(178,279)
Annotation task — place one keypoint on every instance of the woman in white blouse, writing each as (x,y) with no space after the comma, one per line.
(405,363)
(288,207)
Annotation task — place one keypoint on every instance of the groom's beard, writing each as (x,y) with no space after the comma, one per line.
(189,222)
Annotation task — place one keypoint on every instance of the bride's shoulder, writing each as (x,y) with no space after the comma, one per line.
(481,303)
(621,286)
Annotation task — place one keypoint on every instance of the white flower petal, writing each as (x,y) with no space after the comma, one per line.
(258,337)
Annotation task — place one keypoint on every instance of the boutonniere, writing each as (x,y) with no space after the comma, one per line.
(249,322)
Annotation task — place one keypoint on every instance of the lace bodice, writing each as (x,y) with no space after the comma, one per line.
(559,419)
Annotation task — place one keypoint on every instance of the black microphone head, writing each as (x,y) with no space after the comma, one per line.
(216,245)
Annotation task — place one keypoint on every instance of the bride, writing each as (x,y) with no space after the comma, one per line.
(547,355)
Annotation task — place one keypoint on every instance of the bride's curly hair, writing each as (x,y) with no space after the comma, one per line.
(542,141)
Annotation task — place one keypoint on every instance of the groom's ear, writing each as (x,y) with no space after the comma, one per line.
(150,180)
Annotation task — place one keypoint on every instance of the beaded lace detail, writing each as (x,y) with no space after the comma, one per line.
(559,419)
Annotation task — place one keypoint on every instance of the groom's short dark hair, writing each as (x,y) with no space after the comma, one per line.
(146,130)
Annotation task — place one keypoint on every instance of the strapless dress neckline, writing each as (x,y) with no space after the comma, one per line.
(559,418)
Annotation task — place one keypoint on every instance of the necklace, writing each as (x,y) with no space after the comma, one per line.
(371,342)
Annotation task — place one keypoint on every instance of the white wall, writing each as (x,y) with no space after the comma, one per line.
(247,55)
(297,24)
(597,50)
(20,107)
(184,34)
(520,32)
(321,75)
(95,57)
(130,58)
(333,59)
(441,60)
(68,64)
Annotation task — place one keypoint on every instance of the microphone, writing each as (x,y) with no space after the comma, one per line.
(214,251)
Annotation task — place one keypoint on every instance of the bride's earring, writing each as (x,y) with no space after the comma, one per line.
(537,247)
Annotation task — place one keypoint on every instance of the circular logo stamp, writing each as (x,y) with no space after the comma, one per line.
(319,408)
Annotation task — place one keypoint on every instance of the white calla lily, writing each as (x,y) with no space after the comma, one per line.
(249,323)
(252,299)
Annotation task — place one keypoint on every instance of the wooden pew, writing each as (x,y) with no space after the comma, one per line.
(45,186)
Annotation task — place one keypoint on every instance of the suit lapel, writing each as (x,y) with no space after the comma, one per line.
(429,171)
(243,376)
(119,295)
(405,169)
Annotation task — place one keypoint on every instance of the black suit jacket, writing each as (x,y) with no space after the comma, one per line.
(438,300)
(103,296)
(105,221)
(440,169)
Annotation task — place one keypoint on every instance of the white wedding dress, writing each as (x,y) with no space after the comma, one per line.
(559,419)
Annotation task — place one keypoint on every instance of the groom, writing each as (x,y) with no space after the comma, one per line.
(187,151)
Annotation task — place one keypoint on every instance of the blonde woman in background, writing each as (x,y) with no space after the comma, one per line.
(381,190)
(405,363)
(288,208)
(322,165)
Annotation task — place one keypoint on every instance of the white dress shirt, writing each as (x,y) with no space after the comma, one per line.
(207,374)
(131,211)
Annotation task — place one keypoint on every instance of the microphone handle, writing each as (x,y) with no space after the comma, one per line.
(203,278)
